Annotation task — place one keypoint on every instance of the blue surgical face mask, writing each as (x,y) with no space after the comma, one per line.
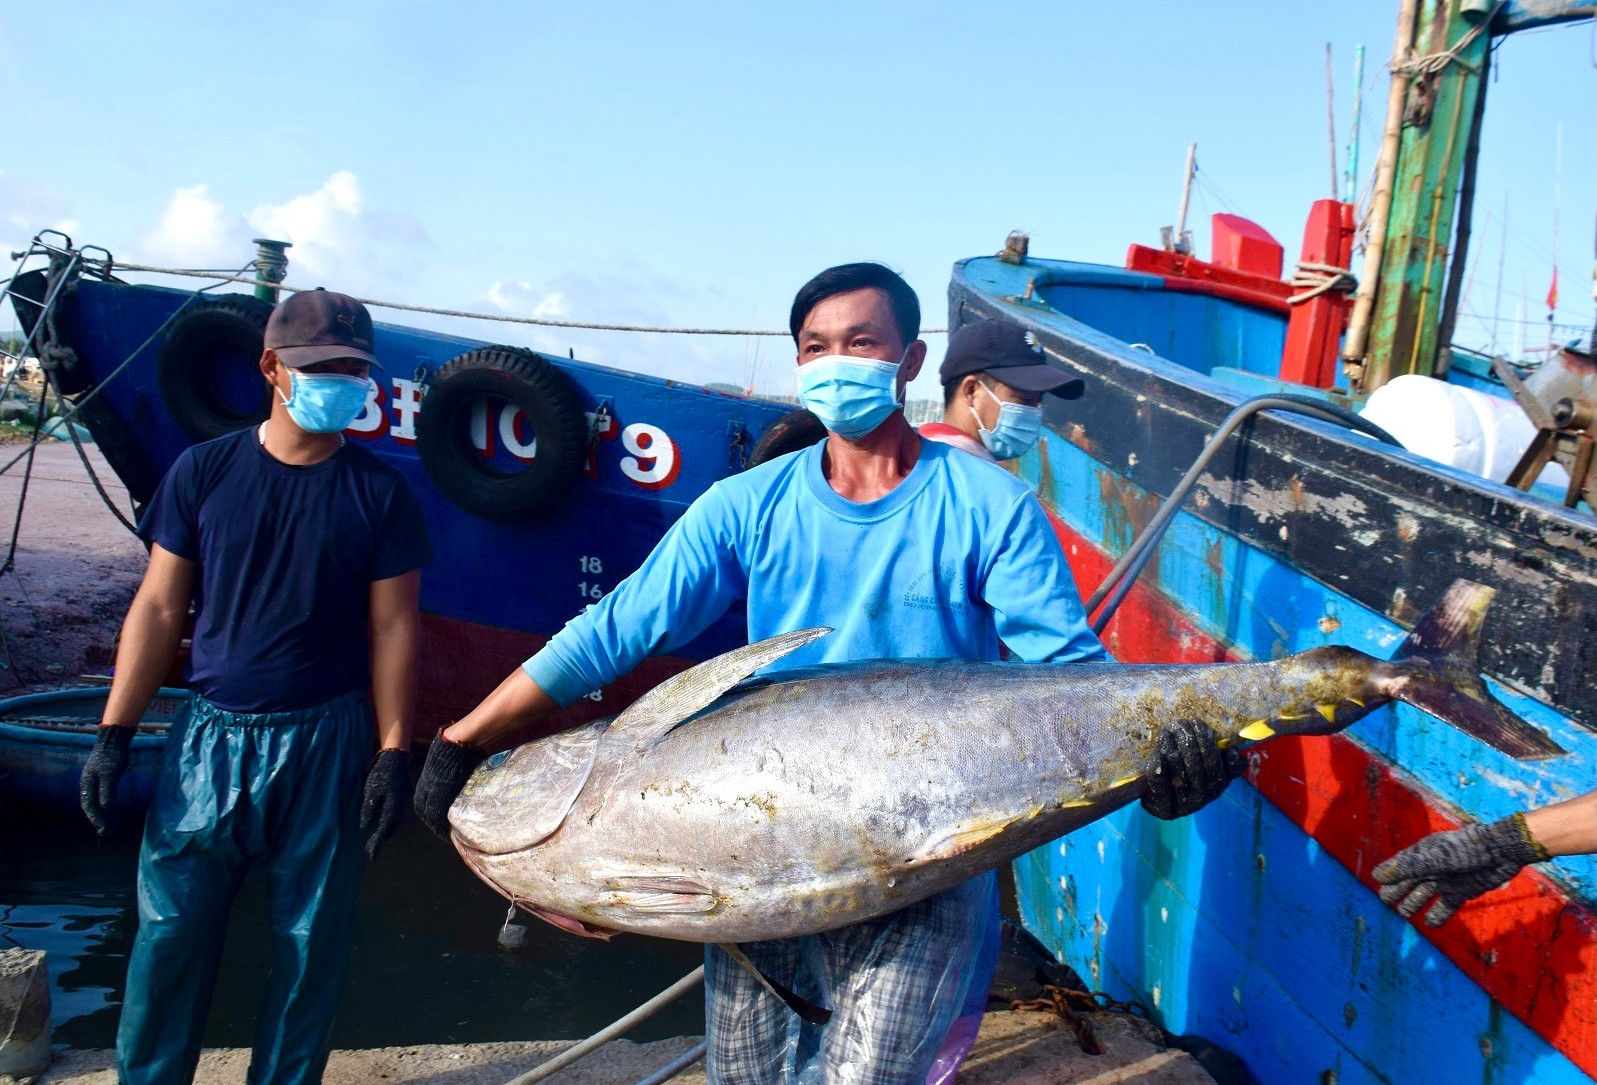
(851,396)
(325,402)
(1014,432)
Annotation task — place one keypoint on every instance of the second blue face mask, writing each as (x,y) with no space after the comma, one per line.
(1014,431)
(325,402)
(851,396)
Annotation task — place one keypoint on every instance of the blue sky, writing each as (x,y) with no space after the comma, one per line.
(694,163)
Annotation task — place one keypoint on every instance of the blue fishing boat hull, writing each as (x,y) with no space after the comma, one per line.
(1255,923)
(46,737)
(496,590)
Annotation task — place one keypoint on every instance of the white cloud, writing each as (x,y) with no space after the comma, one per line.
(324,226)
(521,298)
(196,231)
(335,238)
(631,295)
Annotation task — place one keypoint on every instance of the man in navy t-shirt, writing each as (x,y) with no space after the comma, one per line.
(301,556)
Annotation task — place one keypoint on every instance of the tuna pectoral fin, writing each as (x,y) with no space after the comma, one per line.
(660,895)
(654,714)
(963,837)
(809,1011)
(1435,670)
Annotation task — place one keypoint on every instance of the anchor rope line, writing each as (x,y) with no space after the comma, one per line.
(1431,63)
(68,415)
(1316,279)
(504,318)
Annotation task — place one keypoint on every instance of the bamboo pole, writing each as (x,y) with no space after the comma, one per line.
(1352,191)
(1358,332)
(1186,194)
(1330,116)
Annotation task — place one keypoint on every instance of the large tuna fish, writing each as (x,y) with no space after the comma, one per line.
(723,812)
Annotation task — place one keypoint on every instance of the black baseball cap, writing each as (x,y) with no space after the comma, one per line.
(320,326)
(1006,353)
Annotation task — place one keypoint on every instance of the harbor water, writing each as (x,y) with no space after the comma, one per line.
(426,965)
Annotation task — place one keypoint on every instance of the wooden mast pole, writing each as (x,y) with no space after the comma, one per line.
(1381,199)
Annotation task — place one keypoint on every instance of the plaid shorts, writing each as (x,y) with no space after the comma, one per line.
(894,985)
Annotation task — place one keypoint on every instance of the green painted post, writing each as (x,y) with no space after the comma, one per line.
(1437,115)
(271,266)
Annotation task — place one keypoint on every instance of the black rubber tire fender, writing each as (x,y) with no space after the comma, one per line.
(544,394)
(204,343)
(793,431)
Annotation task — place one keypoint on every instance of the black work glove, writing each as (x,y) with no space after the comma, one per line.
(1187,771)
(1454,865)
(387,794)
(105,766)
(448,766)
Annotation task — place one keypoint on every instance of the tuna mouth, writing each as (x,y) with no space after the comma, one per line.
(570,924)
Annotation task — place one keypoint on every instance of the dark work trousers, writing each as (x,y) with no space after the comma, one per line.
(279,788)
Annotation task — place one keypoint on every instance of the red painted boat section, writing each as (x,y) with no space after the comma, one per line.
(462,662)
(1193,276)
(1528,945)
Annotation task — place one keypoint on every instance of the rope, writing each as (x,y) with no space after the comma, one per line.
(27,476)
(501,317)
(99,488)
(1316,279)
(1431,63)
(1070,1005)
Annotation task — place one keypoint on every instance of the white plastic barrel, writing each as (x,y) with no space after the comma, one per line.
(1473,431)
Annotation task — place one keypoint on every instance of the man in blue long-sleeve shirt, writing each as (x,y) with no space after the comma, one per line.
(909,549)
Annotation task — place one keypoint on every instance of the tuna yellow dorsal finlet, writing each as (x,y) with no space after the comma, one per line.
(1328,711)
(1257,731)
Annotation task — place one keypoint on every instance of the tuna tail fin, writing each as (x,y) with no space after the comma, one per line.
(1437,670)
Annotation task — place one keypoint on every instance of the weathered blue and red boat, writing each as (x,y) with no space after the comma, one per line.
(1255,922)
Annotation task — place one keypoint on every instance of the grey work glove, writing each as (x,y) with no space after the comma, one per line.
(1187,771)
(447,768)
(1454,865)
(382,807)
(105,766)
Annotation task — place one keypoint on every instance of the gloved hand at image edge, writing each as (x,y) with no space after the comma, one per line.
(105,766)
(1188,770)
(447,768)
(1455,865)
(387,793)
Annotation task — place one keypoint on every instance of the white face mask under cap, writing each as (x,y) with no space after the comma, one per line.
(1015,430)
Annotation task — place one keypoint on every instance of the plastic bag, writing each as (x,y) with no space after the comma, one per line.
(896,986)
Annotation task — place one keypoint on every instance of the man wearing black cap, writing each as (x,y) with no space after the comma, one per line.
(301,556)
(994,376)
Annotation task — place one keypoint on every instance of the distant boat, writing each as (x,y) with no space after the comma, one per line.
(46,737)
